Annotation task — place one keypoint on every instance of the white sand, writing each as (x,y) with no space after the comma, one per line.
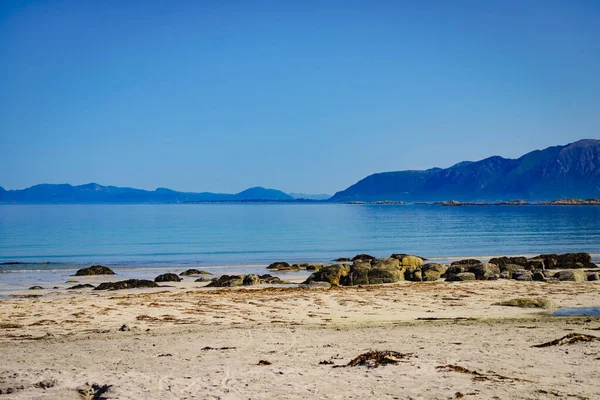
(74,338)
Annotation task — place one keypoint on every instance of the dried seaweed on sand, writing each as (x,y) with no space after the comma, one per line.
(569,339)
(374,359)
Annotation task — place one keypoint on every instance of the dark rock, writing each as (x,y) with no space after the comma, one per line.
(502,261)
(84,286)
(314,267)
(571,275)
(167,278)
(463,276)
(456,269)
(227,281)
(510,268)
(400,256)
(468,261)
(505,275)
(593,276)
(193,271)
(283,266)
(35,288)
(128,284)
(271,280)
(46,384)
(363,257)
(94,270)
(522,275)
(204,279)
(538,276)
(567,261)
(124,328)
(343,259)
(251,279)
(484,272)
(532,265)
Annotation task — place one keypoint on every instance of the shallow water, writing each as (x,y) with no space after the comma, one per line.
(144,240)
(577,311)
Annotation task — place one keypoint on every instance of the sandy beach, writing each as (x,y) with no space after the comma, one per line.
(187,342)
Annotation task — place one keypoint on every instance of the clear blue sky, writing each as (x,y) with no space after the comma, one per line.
(305,96)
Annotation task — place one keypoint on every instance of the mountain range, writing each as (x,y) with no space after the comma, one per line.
(94,193)
(572,170)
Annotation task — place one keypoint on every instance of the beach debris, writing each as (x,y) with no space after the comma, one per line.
(569,339)
(93,391)
(94,270)
(81,286)
(326,362)
(478,376)
(124,328)
(373,358)
(167,278)
(128,284)
(165,355)
(9,325)
(528,302)
(194,272)
(207,348)
(36,288)
(264,362)
(46,384)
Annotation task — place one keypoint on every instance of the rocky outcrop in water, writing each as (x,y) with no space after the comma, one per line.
(94,270)
(192,272)
(566,261)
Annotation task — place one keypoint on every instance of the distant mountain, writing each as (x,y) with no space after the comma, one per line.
(94,193)
(310,196)
(556,172)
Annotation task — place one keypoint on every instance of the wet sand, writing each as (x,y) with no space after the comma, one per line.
(72,338)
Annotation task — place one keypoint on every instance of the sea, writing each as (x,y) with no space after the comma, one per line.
(48,243)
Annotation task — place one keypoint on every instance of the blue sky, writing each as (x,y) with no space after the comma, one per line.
(304,96)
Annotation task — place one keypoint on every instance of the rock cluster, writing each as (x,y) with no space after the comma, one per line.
(128,284)
(167,278)
(244,280)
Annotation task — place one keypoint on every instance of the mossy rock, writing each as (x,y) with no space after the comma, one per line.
(502,261)
(333,274)
(363,257)
(484,272)
(460,277)
(167,278)
(468,261)
(571,275)
(94,270)
(528,302)
(128,284)
(191,272)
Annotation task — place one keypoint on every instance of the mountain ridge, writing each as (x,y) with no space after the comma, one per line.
(572,170)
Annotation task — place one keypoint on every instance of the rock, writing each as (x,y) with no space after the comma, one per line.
(510,268)
(94,270)
(571,275)
(463,276)
(593,276)
(251,279)
(536,302)
(538,276)
(343,259)
(283,266)
(385,270)
(167,278)
(363,257)
(567,261)
(400,256)
(128,284)
(468,261)
(333,274)
(484,272)
(84,286)
(124,328)
(432,272)
(193,271)
(532,265)
(36,288)
(522,275)
(314,267)
(93,391)
(456,269)
(271,280)
(203,279)
(502,261)
(227,281)
(505,275)
(411,261)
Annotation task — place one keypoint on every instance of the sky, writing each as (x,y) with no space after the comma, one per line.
(302,96)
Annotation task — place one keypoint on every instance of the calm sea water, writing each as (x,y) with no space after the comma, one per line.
(237,234)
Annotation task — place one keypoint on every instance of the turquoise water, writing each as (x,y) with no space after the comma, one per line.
(238,234)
